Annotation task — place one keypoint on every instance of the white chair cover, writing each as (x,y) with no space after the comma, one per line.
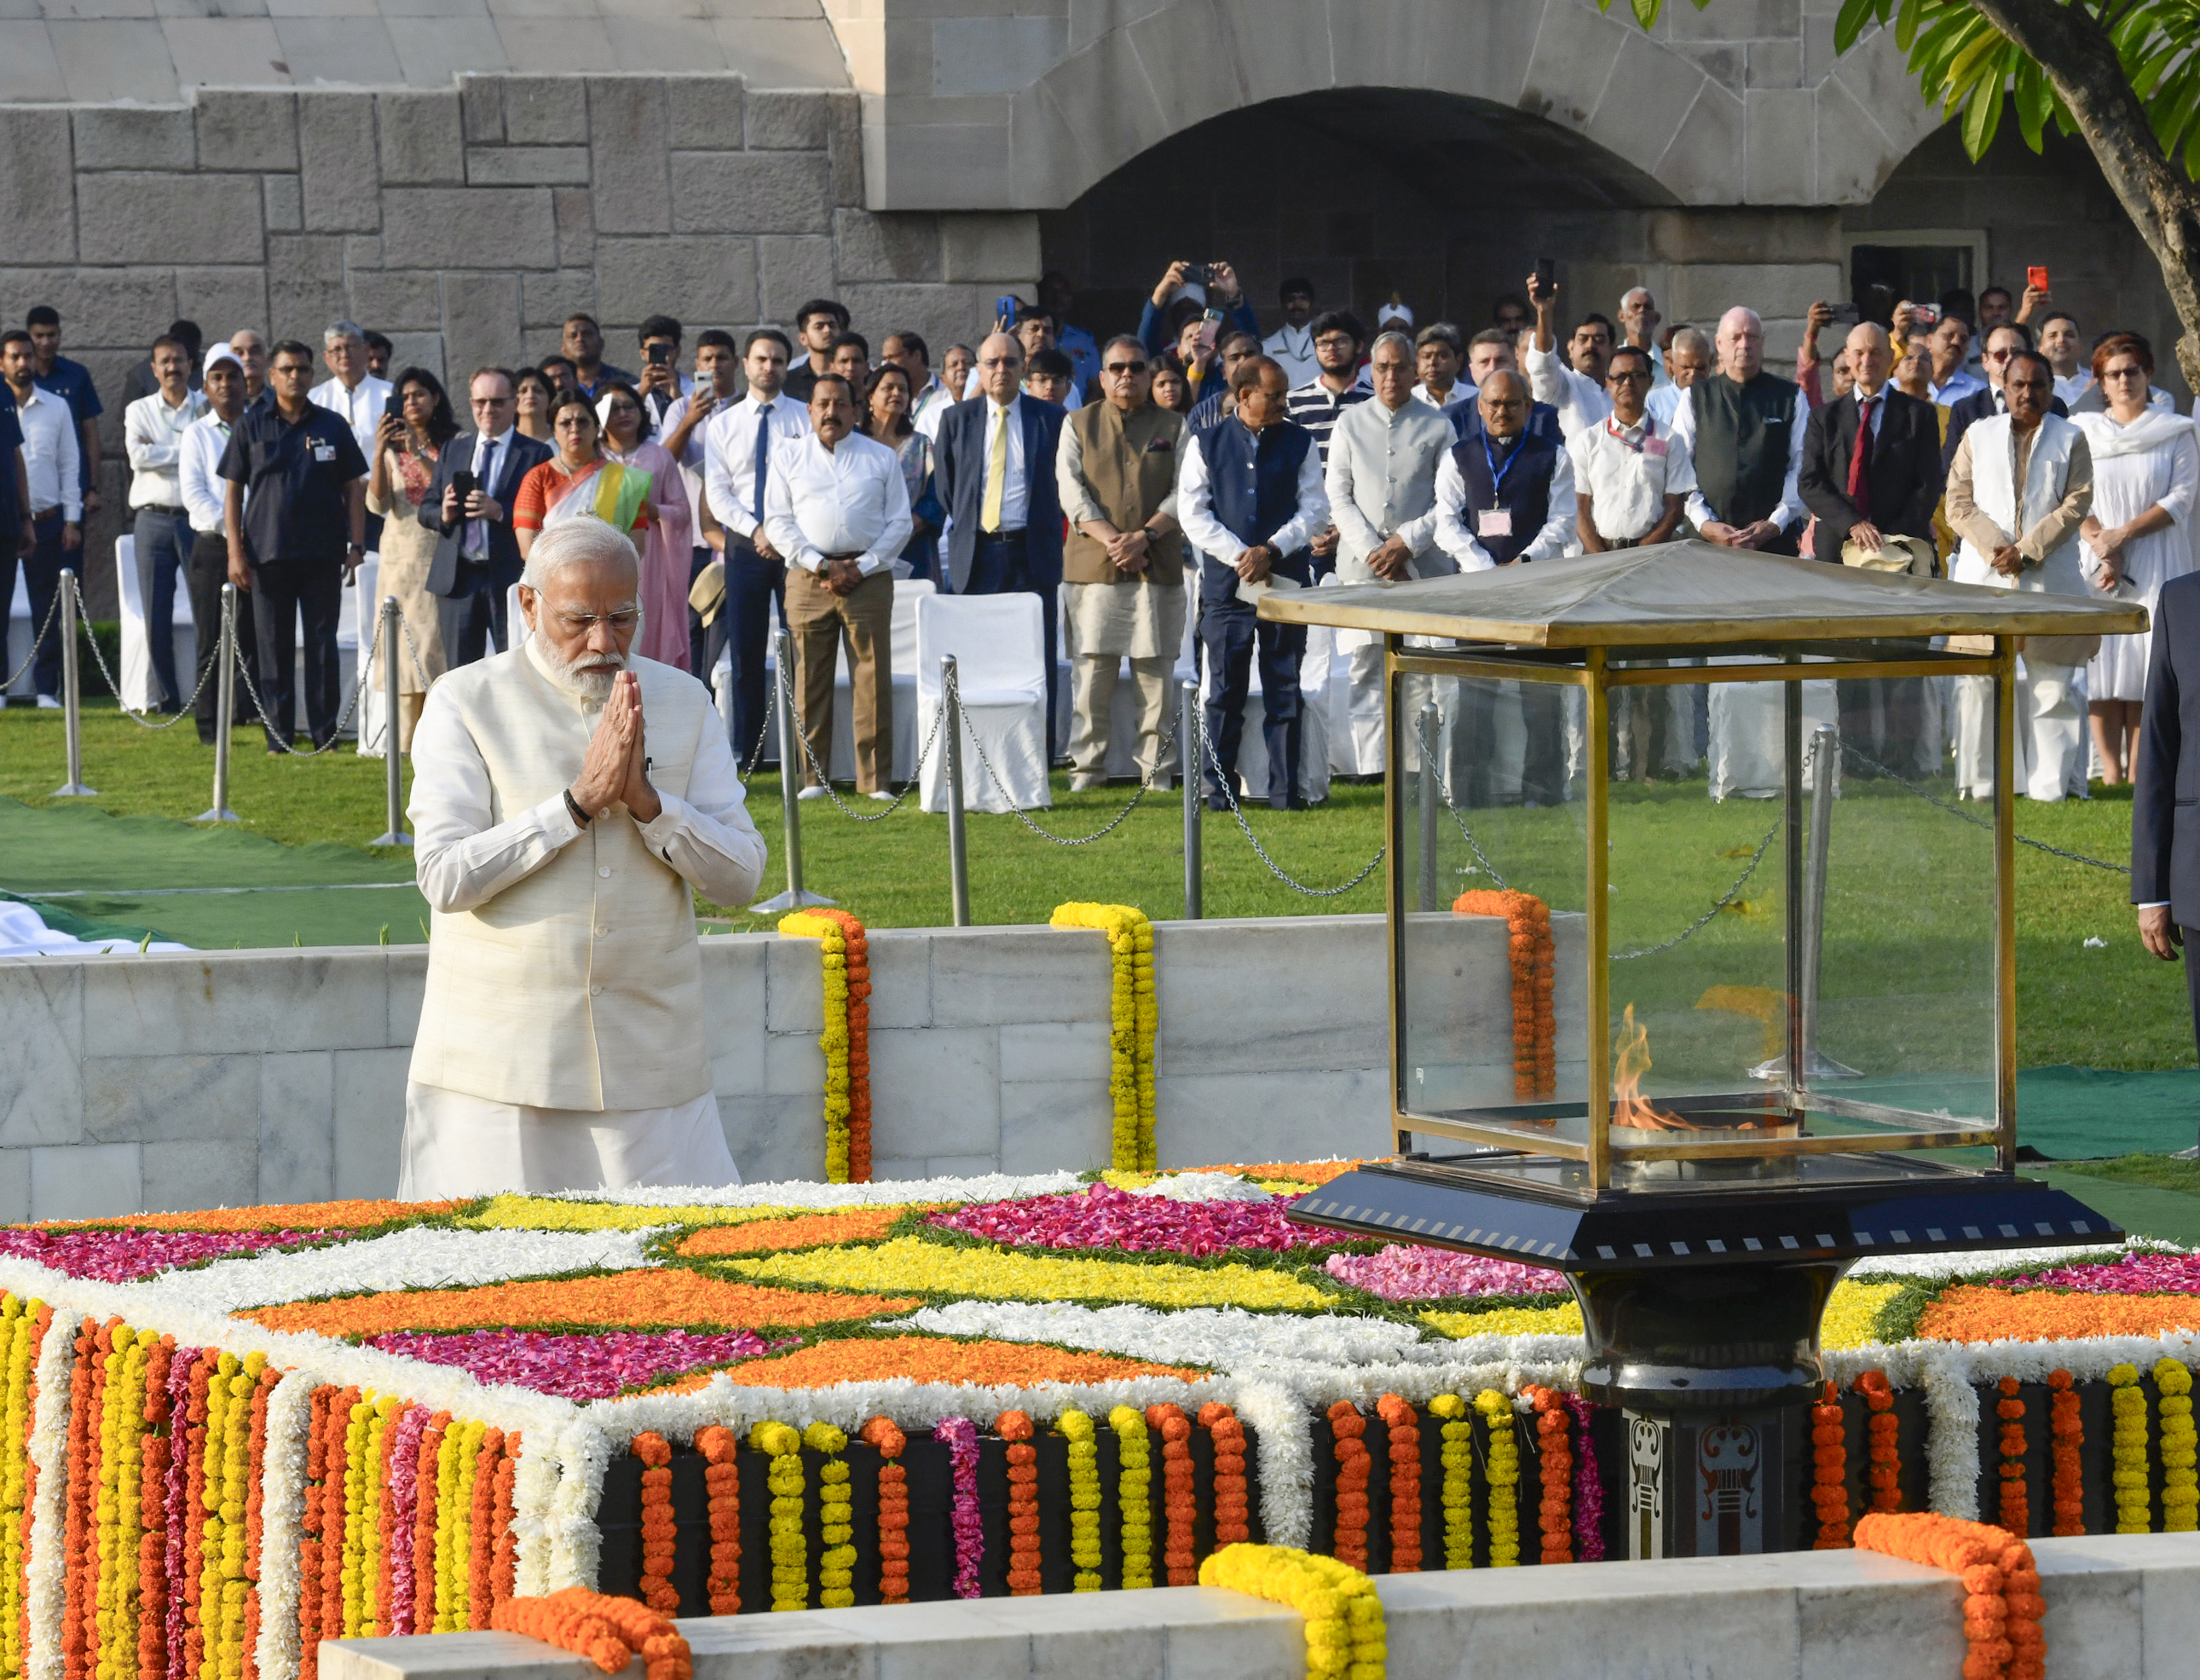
(999,642)
(138,692)
(372,705)
(1748,752)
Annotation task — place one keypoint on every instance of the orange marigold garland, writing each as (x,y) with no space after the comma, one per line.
(1556,1461)
(1886,1472)
(1176,1491)
(656,1526)
(1232,1507)
(505,1567)
(481,1558)
(2066,1436)
(153,1517)
(1534,962)
(1830,1472)
(426,1515)
(1352,1465)
(2015,1499)
(1405,1483)
(721,1477)
(2003,1605)
(1015,1429)
(309,1534)
(609,1632)
(81,1438)
(893,1510)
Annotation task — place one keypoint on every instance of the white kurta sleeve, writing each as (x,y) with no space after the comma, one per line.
(460,859)
(1357,538)
(1792,512)
(708,836)
(1453,535)
(1195,508)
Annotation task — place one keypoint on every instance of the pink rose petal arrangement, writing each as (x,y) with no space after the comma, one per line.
(2137,1273)
(122,1257)
(961,1436)
(1103,1217)
(1407,1271)
(575,1367)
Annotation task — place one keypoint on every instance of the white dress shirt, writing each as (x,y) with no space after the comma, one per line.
(849,500)
(362,407)
(2072,386)
(1292,349)
(729,454)
(153,437)
(1455,528)
(1015,486)
(50,454)
(1460,391)
(1628,471)
(930,405)
(492,455)
(1791,511)
(1581,401)
(1381,481)
(198,478)
(1195,498)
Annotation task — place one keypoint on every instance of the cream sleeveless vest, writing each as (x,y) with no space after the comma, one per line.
(581,987)
(2046,473)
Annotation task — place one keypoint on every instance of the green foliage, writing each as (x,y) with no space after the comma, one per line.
(2156,1172)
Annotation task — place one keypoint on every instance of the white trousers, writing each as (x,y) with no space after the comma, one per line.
(1749,736)
(2051,730)
(1364,710)
(457,1145)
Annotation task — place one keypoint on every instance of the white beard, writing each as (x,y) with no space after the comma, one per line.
(590,676)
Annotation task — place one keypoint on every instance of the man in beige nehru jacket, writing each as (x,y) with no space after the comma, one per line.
(566,797)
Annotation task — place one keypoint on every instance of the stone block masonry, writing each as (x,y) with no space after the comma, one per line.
(468,221)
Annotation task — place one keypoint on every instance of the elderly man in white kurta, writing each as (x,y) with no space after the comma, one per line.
(566,798)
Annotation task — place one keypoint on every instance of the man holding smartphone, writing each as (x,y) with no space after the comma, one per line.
(661,383)
(469,507)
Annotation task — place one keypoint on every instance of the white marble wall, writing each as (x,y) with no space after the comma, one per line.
(218,1078)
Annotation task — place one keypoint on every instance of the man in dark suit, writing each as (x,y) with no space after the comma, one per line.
(2165,884)
(2003,342)
(994,457)
(476,556)
(1872,492)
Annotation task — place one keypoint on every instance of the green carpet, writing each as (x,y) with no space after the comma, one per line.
(2144,1210)
(210,887)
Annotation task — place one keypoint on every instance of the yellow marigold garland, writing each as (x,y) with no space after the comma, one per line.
(2128,1449)
(116,1509)
(1345,1630)
(836,1566)
(1133,1483)
(18,1332)
(790,1551)
(1504,1477)
(1457,1460)
(844,954)
(1132,1015)
(2180,1501)
(1076,1427)
(228,1467)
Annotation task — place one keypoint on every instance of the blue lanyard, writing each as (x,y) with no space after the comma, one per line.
(1497,486)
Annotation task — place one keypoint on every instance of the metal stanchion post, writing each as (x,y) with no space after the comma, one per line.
(790,786)
(225,699)
(959,846)
(393,795)
(1825,761)
(72,700)
(1190,762)
(1428,795)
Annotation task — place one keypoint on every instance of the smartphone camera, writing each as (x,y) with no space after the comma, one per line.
(465,484)
(1197,274)
(659,354)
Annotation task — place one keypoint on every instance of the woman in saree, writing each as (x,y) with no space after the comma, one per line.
(579,482)
(668,548)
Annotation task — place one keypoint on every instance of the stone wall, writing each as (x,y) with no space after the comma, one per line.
(223,1078)
(468,222)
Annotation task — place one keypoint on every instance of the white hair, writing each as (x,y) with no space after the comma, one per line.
(1630,292)
(339,330)
(1393,337)
(1692,338)
(575,542)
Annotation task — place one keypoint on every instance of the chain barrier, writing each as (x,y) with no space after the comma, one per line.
(53,609)
(98,658)
(1706,919)
(1977,821)
(1429,757)
(1167,739)
(1230,793)
(281,738)
(917,771)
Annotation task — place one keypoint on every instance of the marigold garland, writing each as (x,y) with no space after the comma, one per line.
(1405,1448)
(1885,1449)
(1829,1461)
(836,1533)
(22,1331)
(1174,1428)
(1132,1017)
(2015,1503)
(1134,1494)
(1504,1474)
(846,954)
(1355,1463)
(790,1547)
(654,1297)
(611,1632)
(503,1570)
(721,1477)
(1534,960)
(2065,1435)
(2174,1382)
(1555,1464)
(1458,1460)
(1076,1428)
(1234,1509)
(2003,1604)
(1344,1627)
(657,1532)
(886,1435)
(481,1544)
(1015,1428)
(2127,1450)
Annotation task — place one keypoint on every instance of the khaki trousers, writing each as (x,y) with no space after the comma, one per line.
(1092,680)
(820,621)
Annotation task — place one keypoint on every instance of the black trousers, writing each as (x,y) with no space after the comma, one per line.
(473,615)
(208,571)
(42,574)
(1232,635)
(296,602)
(1002,566)
(752,583)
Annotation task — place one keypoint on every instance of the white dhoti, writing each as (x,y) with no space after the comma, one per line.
(1749,735)
(1108,624)
(2050,729)
(1363,707)
(457,1145)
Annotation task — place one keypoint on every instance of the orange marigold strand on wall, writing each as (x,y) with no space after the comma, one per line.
(1555,1462)
(152,1506)
(503,1572)
(72,1504)
(722,1476)
(1015,1429)
(1533,959)
(893,1510)
(1232,1510)
(335,1515)
(1177,1552)
(482,1530)
(2003,1604)
(2066,1436)
(1405,1483)
(1829,1472)
(309,1537)
(859,1045)
(426,1511)
(1353,1466)
(1886,1472)
(2015,1500)
(570,1621)
(656,1526)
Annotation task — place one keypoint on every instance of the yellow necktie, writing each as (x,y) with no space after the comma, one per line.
(996,472)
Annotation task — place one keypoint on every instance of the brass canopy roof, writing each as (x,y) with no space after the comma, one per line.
(1694,592)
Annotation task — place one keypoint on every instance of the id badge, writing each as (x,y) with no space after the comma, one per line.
(1494,522)
(325,452)
(1653,446)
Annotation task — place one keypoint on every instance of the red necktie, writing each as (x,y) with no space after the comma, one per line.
(1860,458)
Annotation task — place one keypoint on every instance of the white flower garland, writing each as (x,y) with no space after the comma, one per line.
(1205,1187)
(534,1493)
(282,1518)
(824,1197)
(1283,1442)
(1952,1437)
(575,1541)
(49,1454)
(425,1257)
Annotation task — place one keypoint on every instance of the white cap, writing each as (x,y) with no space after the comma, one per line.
(219,353)
(1393,312)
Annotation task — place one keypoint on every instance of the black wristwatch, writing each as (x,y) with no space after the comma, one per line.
(573,805)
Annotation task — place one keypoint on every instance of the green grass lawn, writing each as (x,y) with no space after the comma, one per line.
(1906,935)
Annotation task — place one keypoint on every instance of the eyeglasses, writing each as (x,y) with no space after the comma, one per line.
(580,623)
(1126,367)
(1335,341)
(1626,376)
(2125,373)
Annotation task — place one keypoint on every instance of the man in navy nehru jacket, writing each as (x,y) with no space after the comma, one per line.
(1250,497)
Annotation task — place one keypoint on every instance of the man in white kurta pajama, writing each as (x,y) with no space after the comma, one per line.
(566,796)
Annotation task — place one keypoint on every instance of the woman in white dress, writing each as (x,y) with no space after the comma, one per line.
(2146,475)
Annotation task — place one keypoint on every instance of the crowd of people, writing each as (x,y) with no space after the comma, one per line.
(1181,469)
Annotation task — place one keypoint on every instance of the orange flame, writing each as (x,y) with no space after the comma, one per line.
(1630,1062)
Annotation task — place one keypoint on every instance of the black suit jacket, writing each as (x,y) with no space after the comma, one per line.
(959,482)
(2165,778)
(521,453)
(1979,406)
(1904,469)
